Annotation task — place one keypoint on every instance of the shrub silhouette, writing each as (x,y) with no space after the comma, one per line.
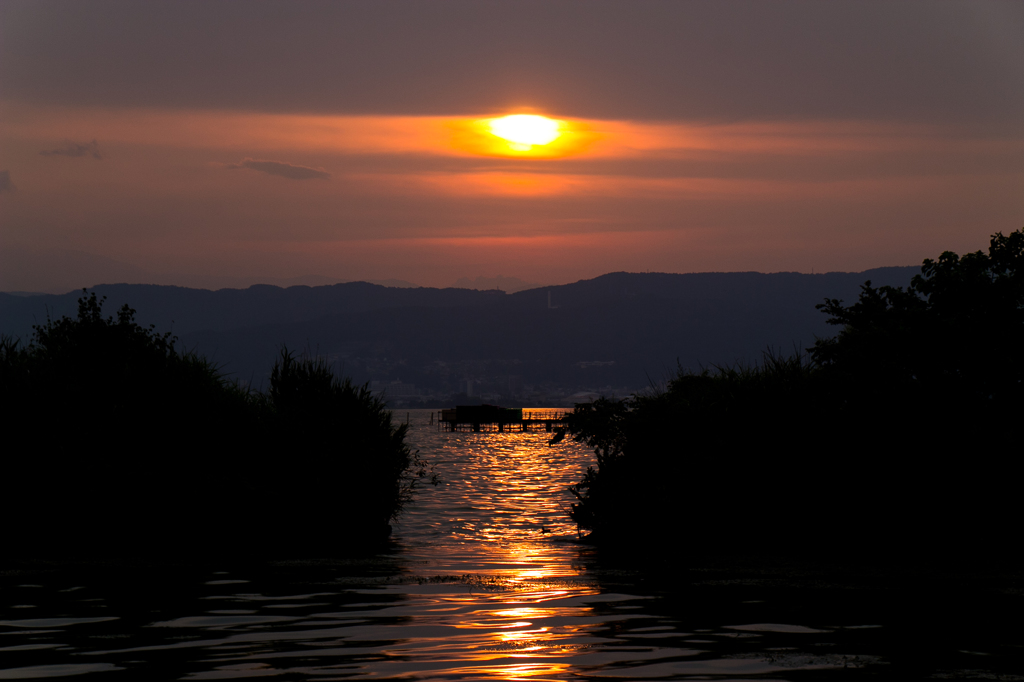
(889,439)
(347,458)
(130,445)
(951,341)
(697,457)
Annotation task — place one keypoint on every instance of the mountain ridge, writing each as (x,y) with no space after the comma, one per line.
(616,329)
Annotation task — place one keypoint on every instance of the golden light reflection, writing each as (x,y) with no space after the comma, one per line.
(526,638)
(523,612)
(529,642)
(532,620)
(535,672)
(514,624)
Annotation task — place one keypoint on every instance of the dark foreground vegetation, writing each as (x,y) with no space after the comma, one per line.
(898,438)
(118,443)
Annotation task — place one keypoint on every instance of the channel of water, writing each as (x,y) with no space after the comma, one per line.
(486,579)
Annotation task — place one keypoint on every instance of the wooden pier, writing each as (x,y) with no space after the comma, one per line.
(477,418)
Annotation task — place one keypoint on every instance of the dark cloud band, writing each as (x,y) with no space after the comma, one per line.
(76,150)
(282,169)
(942,62)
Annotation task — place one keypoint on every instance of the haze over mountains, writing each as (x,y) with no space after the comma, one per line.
(617,332)
(31,271)
(54,271)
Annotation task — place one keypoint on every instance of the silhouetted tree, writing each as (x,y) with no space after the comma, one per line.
(115,374)
(891,438)
(121,443)
(952,338)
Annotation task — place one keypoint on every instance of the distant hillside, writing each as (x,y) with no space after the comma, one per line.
(509,285)
(186,310)
(618,329)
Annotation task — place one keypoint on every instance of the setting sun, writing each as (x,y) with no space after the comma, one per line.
(524,131)
(527,136)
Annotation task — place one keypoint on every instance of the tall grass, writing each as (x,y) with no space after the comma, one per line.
(780,458)
(668,454)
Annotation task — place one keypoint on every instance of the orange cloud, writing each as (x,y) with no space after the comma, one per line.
(468,136)
(759,189)
(540,185)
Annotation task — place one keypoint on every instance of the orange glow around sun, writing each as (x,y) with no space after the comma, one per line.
(521,135)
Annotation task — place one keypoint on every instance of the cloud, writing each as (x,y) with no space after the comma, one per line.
(75,149)
(285,170)
(955,63)
(5,182)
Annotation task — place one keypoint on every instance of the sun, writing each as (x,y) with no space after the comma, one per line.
(525,131)
(524,136)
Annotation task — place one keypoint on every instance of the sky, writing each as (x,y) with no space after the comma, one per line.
(212,144)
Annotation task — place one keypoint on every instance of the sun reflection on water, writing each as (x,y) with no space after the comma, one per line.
(501,512)
(535,672)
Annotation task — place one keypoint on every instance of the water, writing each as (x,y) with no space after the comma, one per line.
(486,580)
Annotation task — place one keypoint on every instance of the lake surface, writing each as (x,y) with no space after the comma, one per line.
(485,579)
